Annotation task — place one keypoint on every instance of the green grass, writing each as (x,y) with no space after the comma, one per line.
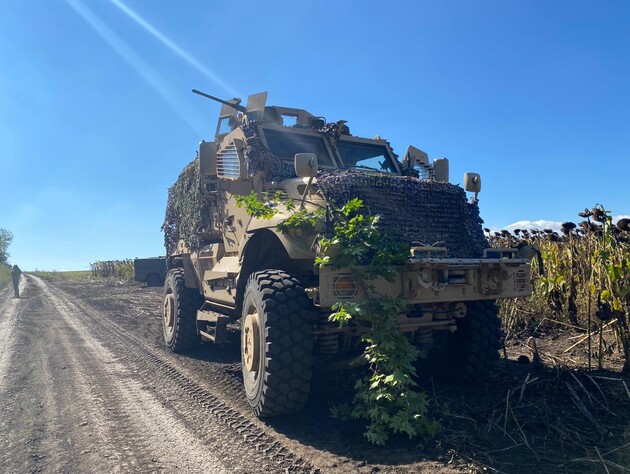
(5,274)
(70,275)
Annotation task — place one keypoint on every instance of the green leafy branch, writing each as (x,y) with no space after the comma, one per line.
(303,219)
(264,208)
(357,240)
(387,397)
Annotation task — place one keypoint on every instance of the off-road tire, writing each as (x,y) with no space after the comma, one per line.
(472,351)
(180,319)
(479,339)
(280,377)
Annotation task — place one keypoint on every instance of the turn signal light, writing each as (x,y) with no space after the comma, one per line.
(345,286)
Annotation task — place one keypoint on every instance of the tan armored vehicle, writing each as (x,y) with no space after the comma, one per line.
(225,264)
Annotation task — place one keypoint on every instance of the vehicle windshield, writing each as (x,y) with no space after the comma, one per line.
(286,144)
(365,155)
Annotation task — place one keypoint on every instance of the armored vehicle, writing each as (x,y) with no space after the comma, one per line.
(151,271)
(225,264)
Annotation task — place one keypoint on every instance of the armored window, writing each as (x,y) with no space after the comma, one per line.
(365,155)
(285,144)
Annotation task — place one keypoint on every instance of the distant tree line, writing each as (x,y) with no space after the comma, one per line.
(6,237)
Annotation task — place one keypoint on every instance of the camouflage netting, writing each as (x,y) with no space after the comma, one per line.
(184,209)
(412,210)
(259,158)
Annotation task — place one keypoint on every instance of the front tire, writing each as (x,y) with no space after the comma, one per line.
(180,313)
(276,343)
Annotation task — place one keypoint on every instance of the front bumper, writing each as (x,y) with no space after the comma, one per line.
(432,280)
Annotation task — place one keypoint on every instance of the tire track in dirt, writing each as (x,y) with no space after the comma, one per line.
(237,440)
(9,308)
(9,313)
(71,406)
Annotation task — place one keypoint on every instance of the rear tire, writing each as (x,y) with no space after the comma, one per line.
(472,351)
(180,313)
(276,343)
(479,338)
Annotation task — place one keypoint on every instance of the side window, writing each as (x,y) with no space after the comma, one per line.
(285,144)
(224,125)
(289,120)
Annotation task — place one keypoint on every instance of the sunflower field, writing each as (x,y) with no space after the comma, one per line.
(581,279)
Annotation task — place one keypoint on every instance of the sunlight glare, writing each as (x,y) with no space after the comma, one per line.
(150,75)
(173,47)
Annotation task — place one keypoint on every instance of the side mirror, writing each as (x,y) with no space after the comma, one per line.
(440,170)
(472,182)
(208,158)
(306,165)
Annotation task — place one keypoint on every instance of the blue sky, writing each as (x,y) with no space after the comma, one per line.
(97,118)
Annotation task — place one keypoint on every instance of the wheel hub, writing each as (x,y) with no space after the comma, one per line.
(250,340)
(169,310)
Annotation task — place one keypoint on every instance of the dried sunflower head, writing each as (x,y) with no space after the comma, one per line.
(567,227)
(624,224)
(588,227)
(586,213)
(599,214)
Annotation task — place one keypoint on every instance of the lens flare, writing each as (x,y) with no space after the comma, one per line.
(174,48)
(150,75)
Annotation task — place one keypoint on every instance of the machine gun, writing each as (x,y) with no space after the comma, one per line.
(234,105)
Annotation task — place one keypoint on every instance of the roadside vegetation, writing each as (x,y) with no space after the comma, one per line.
(121,269)
(582,283)
(6,237)
(5,274)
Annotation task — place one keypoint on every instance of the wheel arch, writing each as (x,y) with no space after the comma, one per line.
(263,250)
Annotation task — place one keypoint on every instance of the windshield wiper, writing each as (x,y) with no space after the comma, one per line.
(367,168)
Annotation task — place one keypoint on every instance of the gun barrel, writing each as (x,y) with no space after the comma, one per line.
(236,106)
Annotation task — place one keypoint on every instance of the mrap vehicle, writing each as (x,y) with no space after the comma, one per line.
(225,264)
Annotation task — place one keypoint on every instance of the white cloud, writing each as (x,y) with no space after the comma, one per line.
(539,224)
(545,224)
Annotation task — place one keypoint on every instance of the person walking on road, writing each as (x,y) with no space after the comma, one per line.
(15,276)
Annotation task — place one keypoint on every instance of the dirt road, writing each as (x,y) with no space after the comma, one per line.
(78,394)
(86,385)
